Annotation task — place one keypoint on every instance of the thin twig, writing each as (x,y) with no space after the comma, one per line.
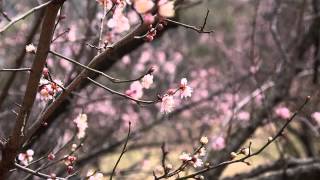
(20,17)
(270,141)
(199,30)
(61,34)
(18,69)
(121,94)
(112,79)
(5,15)
(122,152)
(42,175)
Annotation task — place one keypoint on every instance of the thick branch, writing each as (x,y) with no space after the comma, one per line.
(11,149)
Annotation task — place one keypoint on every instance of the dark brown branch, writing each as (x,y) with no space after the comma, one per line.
(11,149)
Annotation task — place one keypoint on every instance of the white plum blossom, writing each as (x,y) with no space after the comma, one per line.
(167,104)
(147,81)
(82,125)
(136,90)
(202,151)
(27,157)
(185,90)
(166,8)
(196,162)
(143,6)
(185,157)
(30,48)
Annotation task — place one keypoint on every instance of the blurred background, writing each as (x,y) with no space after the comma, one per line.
(248,77)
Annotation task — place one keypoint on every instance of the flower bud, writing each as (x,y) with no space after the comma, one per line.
(51,156)
(233,155)
(204,140)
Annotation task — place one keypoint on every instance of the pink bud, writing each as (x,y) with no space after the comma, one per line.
(45,72)
(51,156)
(70,169)
(149,38)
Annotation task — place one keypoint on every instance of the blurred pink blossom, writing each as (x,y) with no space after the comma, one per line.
(282,112)
(316,117)
(119,23)
(218,143)
(243,116)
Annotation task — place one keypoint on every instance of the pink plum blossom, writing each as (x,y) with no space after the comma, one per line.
(185,156)
(48,90)
(196,162)
(167,103)
(136,90)
(185,90)
(27,157)
(147,81)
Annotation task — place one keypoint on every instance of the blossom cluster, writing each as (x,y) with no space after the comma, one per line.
(48,88)
(136,88)
(167,101)
(195,158)
(27,157)
(69,161)
(121,19)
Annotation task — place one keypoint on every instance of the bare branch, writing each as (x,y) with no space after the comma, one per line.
(20,17)
(122,152)
(121,94)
